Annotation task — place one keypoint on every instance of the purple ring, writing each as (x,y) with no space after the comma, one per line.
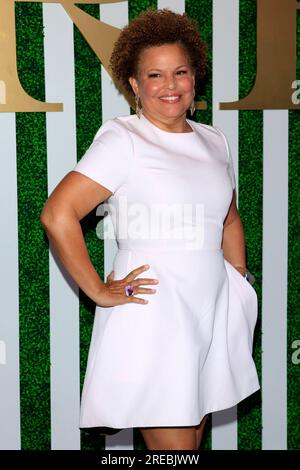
(128,291)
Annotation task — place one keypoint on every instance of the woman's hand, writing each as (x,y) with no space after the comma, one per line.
(114,290)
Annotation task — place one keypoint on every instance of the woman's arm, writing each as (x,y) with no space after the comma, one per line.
(74,197)
(233,243)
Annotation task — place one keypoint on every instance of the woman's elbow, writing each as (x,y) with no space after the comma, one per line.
(45,215)
(52,216)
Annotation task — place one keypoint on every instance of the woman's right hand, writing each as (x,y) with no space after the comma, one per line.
(113,292)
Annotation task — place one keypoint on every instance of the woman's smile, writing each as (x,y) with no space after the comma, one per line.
(170,99)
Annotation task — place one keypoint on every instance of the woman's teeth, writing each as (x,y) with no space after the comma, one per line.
(169,98)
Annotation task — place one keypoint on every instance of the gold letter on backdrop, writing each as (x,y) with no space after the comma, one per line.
(276,57)
(13,98)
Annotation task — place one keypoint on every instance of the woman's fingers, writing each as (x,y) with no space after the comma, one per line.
(116,288)
(138,291)
(143,290)
(137,300)
(130,278)
(142,281)
(137,271)
(110,277)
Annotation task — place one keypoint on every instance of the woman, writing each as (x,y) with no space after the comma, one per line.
(160,359)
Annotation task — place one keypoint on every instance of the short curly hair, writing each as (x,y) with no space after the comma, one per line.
(155,28)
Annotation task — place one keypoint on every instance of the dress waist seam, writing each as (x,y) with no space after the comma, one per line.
(182,249)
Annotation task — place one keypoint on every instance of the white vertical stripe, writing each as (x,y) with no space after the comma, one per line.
(225,88)
(114,104)
(175,5)
(64,307)
(9,282)
(275,252)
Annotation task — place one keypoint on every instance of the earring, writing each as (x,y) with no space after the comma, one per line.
(192,107)
(138,109)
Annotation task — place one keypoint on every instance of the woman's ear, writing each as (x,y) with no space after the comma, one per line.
(134,85)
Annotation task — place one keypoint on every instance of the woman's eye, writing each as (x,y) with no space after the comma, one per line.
(181,72)
(154,75)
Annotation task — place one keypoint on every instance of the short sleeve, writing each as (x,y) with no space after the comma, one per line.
(230,167)
(108,159)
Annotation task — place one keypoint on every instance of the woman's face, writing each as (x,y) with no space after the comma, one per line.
(165,83)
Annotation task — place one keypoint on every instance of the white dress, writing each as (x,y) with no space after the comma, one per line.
(188,352)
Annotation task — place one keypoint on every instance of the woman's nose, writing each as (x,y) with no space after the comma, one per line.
(171,83)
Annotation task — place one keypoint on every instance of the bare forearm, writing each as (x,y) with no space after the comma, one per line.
(66,239)
(234,244)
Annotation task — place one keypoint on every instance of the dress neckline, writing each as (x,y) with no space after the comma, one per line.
(193,132)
